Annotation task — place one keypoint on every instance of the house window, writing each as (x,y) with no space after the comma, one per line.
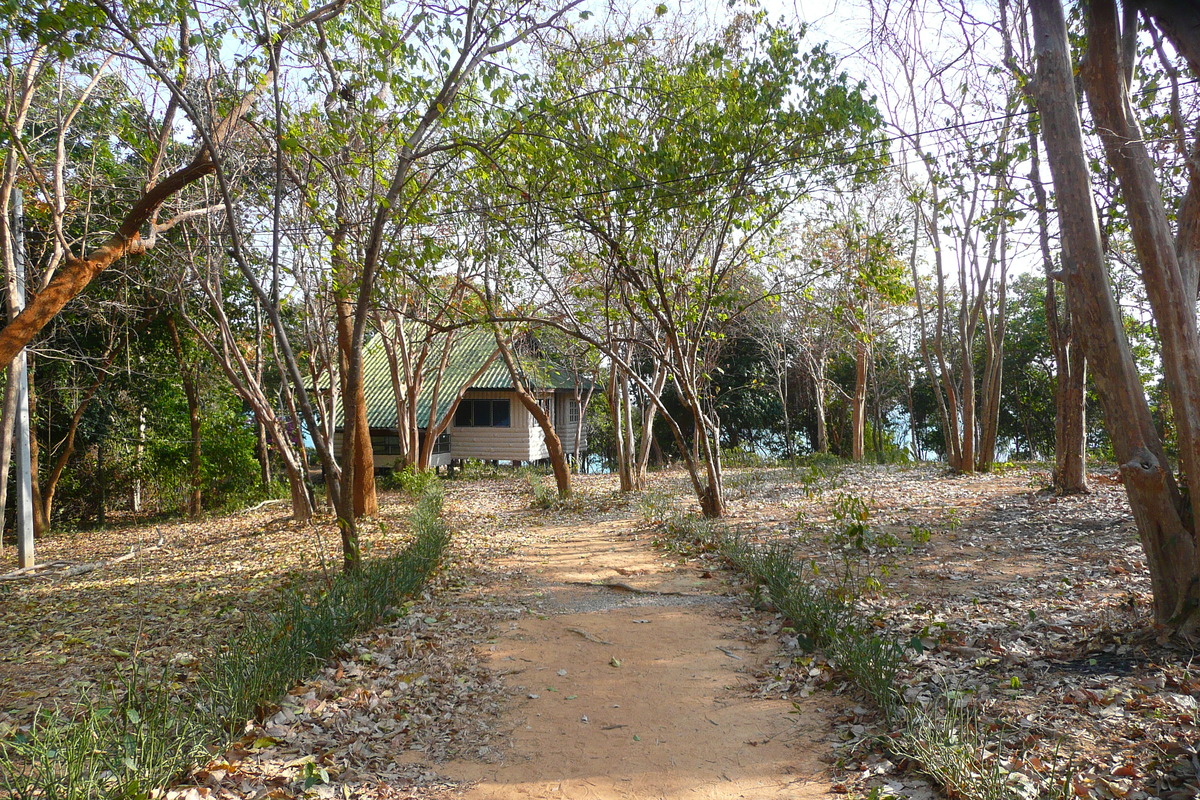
(386,444)
(442,445)
(483,414)
(572,411)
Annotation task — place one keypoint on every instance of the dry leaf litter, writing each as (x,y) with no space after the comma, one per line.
(1030,607)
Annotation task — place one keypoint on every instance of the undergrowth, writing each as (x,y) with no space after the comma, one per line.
(409,479)
(142,735)
(547,498)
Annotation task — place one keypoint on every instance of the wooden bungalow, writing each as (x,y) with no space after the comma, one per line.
(471,399)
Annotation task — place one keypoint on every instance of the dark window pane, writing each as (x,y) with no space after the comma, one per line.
(462,417)
(501,414)
(483,413)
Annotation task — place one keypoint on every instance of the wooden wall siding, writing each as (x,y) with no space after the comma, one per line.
(503,444)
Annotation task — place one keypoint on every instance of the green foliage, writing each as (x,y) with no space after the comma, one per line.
(818,473)
(409,479)
(852,515)
(139,737)
(544,497)
(827,619)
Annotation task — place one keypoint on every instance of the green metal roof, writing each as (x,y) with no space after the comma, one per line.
(471,349)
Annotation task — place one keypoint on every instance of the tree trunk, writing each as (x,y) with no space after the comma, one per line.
(581,404)
(967,442)
(195,455)
(8,416)
(993,368)
(1153,240)
(1154,498)
(558,456)
(357,455)
(139,454)
(926,355)
(858,420)
(1070,395)
(629,437)
(817,372)
(615,406)
(262,451)
(191,392)
(41,516)
(649,412)
(1070,426)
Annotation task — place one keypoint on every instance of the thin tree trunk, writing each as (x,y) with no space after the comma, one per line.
(649,412)
(195,503)
(613,390)
(1070,395)
(139,455)
(9,414)
(993,374)
(41,519)
(581,404)
(858,417)
(967,366)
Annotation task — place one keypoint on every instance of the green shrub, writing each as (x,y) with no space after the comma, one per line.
(409,479)
(818,472)
(544,497)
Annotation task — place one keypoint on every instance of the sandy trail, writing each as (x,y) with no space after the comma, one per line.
(636,689)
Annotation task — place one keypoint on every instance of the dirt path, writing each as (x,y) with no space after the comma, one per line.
(629,680)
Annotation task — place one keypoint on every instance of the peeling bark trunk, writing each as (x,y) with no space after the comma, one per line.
(993,374)
(1070,428)
(649,412)
(77,273)
(7,421)
(41,521)
(615,406)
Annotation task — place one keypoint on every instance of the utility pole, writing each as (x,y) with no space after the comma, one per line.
(20,374)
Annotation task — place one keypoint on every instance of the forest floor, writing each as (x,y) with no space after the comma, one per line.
(570,654)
